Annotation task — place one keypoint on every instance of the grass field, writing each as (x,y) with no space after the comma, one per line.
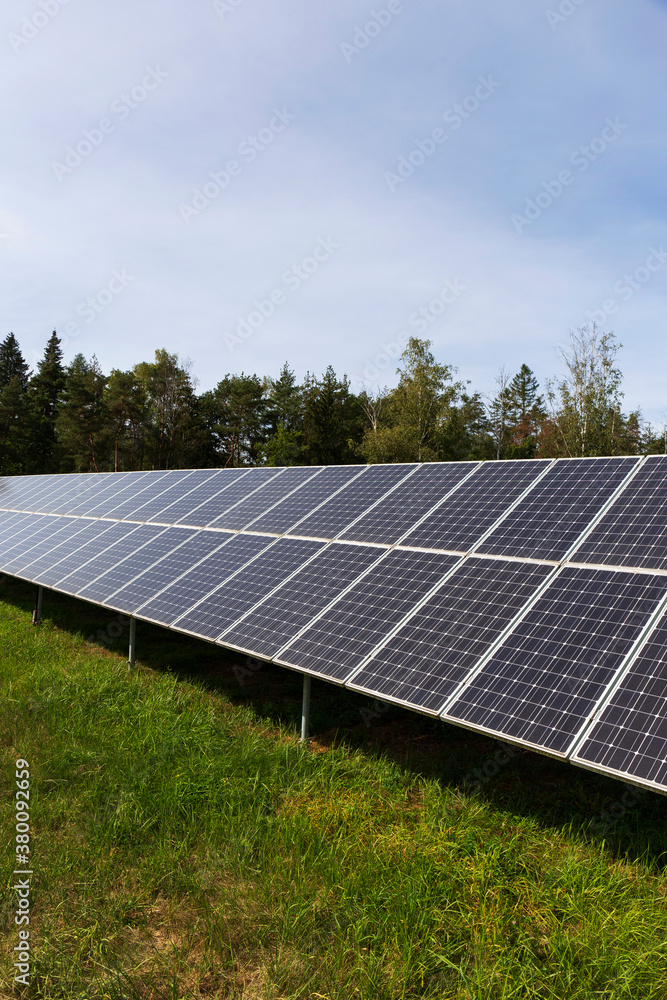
(186,845)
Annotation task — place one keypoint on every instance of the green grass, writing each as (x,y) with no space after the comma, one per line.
(186,845)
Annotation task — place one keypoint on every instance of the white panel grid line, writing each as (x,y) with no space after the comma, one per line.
(125,558)
(320,469)
(495,646)
(193,533)
(369,510)
(287,580)
(633,653)
(185,572)
(598,517)
(271,479)
(317,507)
(511,507)
(97,555)
(222,583)
(182,481)
(432,510)
(413,611)
(331,604)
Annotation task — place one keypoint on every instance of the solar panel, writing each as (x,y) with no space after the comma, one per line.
(67,487)
(336,643)
(102,553)
(230,493)
(45,494)
(182,492)
(90,486)
(549,520)
(541,685)
(633,532)
(249,585)
(269,626)
(24,538)
(433,586)
(306,499)
(162,574)
(429,657)
(393,516)
(257,503)
(10,521)
(629,737)
(354,499)
(234,551)
(132,554)
(150,488)
(132,484)
(475,506)
(45,552)
(69,554)
(220,480)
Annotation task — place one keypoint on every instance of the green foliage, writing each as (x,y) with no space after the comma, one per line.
(152,418)
(13,407)
(82,416)
(45,394)
(585,404)
(332,420)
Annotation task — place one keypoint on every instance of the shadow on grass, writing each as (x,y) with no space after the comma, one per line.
(631,821)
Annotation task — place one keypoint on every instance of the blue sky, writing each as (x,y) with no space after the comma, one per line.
(246,183)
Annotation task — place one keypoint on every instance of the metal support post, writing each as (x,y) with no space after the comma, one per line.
(132,656)
(37,613)
(305,709)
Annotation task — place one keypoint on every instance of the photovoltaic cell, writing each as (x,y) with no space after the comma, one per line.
(24,538)
(45,552)
(184,593)
(148,489)
(185,490)
(104,488)
(633,532)
(414,497)
(476,505)
(220,480)
(271,493)
(630,736)
(222,608)
(68,486)
(548,521)
(70,554)
(108,498)
(140,550)
(89,486)
(44,497)
(424,663)
(337,642)
(309,496)
(97,556)
(543,682)
(280,617)
(353,500)
(212,507)
(163,574)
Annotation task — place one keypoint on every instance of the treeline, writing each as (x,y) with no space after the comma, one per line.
(74,418)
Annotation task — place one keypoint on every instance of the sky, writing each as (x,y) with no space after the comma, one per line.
(246,183)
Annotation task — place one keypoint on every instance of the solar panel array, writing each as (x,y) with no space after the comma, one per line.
(524,599)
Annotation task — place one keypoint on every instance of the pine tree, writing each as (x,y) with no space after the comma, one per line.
(333,421)
(12,363)
(13,406)
(45,391)
(82,417)
(527,414)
